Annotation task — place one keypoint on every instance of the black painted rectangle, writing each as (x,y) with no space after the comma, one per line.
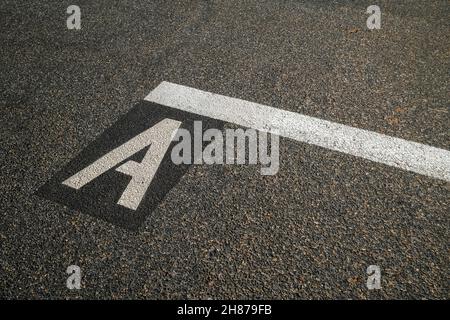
(99,197)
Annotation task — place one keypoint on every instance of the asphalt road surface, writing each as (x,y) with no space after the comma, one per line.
(226,231)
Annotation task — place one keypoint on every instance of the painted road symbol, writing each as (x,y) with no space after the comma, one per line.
(156,138)
(125,173)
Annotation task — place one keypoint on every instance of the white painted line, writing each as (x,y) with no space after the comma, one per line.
(400,153)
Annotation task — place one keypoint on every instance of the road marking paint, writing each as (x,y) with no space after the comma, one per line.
(407,155)
(157,137)
(125,173)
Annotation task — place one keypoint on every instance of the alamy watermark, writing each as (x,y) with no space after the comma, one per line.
(74,20)
(233,146)
(374,277)
(374,20)
(74,280)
